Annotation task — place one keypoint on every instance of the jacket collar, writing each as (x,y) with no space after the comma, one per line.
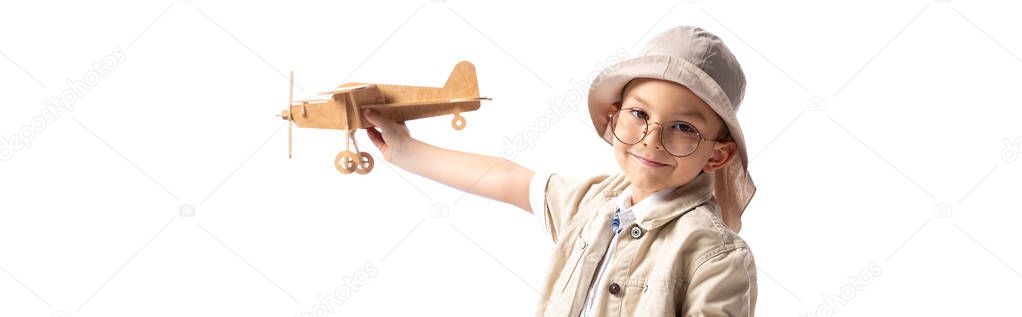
(639,210)
(665,205)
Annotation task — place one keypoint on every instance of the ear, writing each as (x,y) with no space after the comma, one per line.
(723,153)
(607,134)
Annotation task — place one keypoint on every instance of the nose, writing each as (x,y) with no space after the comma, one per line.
(649,136)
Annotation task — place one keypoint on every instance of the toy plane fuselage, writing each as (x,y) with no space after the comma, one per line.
(343,110)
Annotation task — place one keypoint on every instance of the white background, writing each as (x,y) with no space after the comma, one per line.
(880,134)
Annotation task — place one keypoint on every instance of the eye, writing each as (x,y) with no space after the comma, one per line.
(683,127)
(639,114)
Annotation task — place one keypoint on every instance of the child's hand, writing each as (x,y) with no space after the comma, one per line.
(392,140)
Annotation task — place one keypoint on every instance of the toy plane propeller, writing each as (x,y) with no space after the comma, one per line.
(343,110)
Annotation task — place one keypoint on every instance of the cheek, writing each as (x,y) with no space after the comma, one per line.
(690,166)
(620,153)
(687,165)
(624,160)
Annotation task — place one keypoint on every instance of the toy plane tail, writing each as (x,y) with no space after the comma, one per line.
(462,82)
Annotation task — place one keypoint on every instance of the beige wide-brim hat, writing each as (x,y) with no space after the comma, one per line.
(700,61)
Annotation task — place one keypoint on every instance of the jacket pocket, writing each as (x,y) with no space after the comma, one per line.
(649,297)
(573,260)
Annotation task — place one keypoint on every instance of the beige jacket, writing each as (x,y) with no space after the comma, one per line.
(679,259)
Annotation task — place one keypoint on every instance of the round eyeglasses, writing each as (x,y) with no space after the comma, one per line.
(679,138)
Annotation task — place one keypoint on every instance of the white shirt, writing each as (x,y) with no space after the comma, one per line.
(629,215)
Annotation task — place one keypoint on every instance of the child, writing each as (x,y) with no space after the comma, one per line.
(660,237)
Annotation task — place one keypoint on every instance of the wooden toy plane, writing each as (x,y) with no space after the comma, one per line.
(343,110)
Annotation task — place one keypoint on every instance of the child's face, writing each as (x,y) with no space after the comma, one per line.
(647,163)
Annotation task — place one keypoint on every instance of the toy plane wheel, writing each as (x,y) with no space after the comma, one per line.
(345,162)
(458,123)
(365,163)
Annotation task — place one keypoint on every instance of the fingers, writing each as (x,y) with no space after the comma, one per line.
(377,138)
(377,120)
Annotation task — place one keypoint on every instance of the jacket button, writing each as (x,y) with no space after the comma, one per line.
(614,288)
(636,232)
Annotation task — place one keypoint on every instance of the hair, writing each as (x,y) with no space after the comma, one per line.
(725,133)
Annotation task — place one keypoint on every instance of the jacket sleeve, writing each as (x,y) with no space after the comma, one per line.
(723,285)
(561,197)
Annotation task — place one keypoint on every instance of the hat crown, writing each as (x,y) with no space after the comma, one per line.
(707,52)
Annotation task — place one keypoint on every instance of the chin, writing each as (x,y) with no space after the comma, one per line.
(642,176)
(641,181)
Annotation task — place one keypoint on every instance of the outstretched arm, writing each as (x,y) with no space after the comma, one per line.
(491,177)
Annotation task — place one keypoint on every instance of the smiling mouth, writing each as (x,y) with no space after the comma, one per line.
(647,162)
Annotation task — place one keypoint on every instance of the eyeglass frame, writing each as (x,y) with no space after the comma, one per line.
(645,132)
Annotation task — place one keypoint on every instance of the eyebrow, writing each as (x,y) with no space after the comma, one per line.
(685,113)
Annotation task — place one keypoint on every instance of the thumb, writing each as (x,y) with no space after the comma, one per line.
(377,120)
